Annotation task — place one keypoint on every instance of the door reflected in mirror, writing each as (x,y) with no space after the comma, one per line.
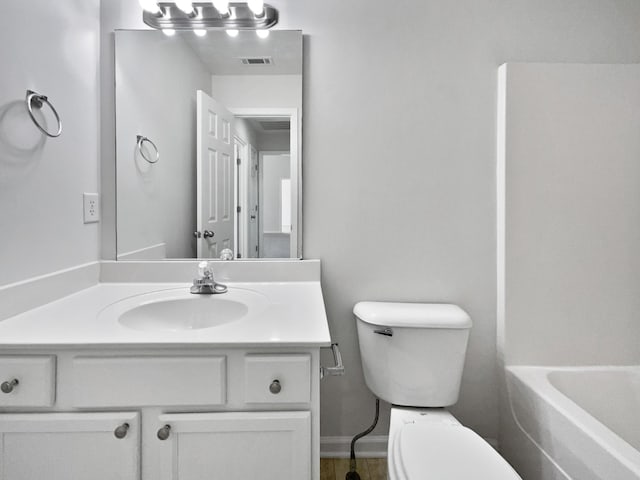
(224,114)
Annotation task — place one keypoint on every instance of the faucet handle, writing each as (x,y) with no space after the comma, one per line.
(205,270)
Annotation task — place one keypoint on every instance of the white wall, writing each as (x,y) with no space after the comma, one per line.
(157,80)
(274,141)
(571,224)
(399,157)
(51,48)
(257,91)
(275,167)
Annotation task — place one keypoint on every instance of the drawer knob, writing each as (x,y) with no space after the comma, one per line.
(7,387)
(164,432)
(121,431)
(275,387)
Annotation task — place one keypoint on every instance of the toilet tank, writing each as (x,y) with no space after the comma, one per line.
(413,353)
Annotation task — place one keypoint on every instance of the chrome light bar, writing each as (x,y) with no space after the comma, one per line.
(205,16)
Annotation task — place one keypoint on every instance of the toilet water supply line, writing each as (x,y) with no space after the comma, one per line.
(352,474)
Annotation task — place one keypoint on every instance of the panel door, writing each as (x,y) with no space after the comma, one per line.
(69,446)
(215,169)
(236,446)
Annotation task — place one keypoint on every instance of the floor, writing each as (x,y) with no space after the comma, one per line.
(367,468)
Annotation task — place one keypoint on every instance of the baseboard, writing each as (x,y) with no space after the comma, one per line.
(372,446)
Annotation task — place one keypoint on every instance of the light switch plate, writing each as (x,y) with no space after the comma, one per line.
(91,203)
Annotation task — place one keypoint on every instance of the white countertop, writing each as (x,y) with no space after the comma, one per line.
(294,317)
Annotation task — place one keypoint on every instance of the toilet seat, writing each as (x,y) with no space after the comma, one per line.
(424,451)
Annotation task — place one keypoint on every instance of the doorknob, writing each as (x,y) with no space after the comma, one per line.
(197,234)
(208,234)
(164,432)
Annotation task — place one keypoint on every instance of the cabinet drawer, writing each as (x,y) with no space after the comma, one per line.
(148,381)
(30,381)
(277,378)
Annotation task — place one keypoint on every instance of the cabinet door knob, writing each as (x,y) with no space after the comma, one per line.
(164,432)
(208,234)
(275,387)
(7,387)
(121,430)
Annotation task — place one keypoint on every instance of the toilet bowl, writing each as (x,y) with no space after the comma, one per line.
(412,357)
(432,444)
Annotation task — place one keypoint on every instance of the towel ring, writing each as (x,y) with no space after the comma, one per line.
(141,140)
(34,99)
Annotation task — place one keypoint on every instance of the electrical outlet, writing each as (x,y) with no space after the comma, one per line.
(91,203)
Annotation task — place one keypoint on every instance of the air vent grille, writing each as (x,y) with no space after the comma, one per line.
(257,60)
(275,126)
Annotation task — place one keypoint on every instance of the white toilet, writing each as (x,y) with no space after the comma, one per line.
(413,356)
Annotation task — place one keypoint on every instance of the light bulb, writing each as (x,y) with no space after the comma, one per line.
(150,6)
(262,33)
(257,7)
(169,32)
(185,6)
(200,32)
(222,6)
(233,33)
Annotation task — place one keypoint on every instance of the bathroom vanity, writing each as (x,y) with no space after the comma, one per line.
(84,394)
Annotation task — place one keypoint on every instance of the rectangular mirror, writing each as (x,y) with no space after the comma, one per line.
(208,145)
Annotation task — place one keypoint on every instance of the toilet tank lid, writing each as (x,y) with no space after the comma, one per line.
(413,315)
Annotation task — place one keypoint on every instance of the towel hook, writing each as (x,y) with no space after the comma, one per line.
(141,140)
(35,100)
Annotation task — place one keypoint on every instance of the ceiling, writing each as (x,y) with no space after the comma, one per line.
(223,54)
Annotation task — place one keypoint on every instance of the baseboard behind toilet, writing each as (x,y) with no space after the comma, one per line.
(371,446)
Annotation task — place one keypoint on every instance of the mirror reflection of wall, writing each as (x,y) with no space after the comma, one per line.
(229,179)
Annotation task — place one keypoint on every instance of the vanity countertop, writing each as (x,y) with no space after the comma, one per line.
(294,316)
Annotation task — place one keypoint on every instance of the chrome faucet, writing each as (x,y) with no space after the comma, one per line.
(205,283)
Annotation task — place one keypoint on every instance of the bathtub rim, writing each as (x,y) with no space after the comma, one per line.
(536,380)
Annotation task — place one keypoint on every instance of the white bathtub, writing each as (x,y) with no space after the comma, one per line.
(581,423)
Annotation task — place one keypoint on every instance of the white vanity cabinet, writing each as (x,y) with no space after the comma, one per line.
(151,414)
(65,446)
(242,445)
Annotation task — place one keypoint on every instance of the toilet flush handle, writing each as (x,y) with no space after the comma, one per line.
(387,332)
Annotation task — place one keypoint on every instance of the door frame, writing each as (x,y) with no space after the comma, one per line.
(295,151)
(242,197)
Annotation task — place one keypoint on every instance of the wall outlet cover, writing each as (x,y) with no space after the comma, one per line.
(91,204)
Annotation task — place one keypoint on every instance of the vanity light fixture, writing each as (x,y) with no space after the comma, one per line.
(233,33)
(169,32)
(150,6)
(222,6)
(215,14)
(262,33)
(257,7)
(187,7)
(200,32)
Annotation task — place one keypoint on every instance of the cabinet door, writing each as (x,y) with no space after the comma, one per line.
(236,445)
(69,446)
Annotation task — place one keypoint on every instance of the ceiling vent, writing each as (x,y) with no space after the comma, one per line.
(257,60)
(272,126)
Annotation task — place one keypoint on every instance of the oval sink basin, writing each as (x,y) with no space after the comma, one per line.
(179,310)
